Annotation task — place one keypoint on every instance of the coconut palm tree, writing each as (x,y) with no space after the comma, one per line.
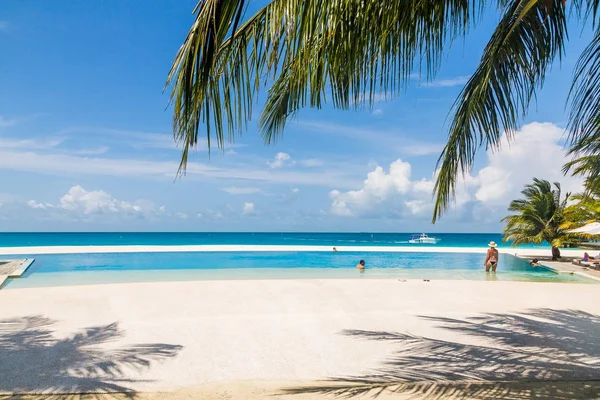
(538,217)
(351,52)
(584,207)
(586,162)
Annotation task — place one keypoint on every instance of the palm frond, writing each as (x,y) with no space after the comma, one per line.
(540,216)
(351,49)
(216,72)
(360,49)
(584,99)
(514,63)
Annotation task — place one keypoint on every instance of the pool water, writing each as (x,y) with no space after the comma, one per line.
(80,269)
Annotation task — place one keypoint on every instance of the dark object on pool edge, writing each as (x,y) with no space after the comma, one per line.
(555,253)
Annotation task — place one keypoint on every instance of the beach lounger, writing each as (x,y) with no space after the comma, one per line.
(588,264)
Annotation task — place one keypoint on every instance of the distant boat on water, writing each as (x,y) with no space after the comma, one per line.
(422,239)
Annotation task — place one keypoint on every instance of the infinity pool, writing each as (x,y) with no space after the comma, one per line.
(80,269)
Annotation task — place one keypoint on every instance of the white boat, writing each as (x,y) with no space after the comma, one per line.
(422,239)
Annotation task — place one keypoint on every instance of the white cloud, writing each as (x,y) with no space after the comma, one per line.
(535,152)
(74,165)
(311,162)
(97,202)
(210,215)
(30,144)
(215,214)
(7,198)
(378,112)
(99,137)
(241,190)
(42,206)
(290,197)
(136,139)
(339,206)
(181,215)
(90,152)
(392,139)
(48,144)
(457,81)
(281,159)
(4,122)
(379,193)
(249,209)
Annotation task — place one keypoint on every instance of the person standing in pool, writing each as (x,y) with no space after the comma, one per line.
(491,259)
(361,265)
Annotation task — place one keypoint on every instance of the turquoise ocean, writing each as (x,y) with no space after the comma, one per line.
(77,269)
(225,238)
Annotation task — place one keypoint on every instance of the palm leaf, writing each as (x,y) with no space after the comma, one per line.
(514,63)
(362,49)
(539,216)
(215,74)
(351,49)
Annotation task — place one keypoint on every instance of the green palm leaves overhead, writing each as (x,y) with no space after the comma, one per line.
(307,51)
(514,63)
(303,53)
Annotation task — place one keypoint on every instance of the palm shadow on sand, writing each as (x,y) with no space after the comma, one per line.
(33,360)
(542,353)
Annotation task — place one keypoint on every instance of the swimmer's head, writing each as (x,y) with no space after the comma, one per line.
(362,262)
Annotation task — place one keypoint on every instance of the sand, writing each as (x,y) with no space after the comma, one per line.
(289,390)
(244,339)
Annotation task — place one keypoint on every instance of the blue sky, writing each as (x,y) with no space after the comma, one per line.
(85,140)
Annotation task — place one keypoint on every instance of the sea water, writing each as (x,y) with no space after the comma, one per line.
(261,238)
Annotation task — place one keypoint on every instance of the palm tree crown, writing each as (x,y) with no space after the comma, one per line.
(537,217)
(350,51)
(584,209)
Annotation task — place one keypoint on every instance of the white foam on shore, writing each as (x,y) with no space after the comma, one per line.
(34,250)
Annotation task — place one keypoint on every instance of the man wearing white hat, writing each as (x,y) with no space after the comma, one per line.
(491,259)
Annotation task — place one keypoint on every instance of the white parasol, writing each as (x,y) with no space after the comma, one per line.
(589,229)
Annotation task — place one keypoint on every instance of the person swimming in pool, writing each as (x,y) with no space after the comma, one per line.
(491,259)
(534,263)
(361,265)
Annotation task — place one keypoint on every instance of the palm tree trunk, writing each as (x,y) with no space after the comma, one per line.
(555,253)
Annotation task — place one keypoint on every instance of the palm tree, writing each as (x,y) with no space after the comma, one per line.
(350,52)
(584,209)
(538,216)
(586,162)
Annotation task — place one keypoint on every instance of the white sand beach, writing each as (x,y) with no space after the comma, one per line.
(247,339)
